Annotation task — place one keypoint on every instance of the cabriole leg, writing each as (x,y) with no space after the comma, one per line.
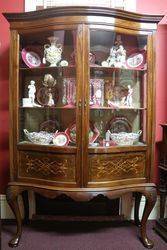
(151,197)
(12,199)
(137,206)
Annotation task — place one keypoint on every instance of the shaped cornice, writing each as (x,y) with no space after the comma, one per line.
(82,10)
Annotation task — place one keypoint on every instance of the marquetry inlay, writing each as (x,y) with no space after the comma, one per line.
(116,166)
(50,166)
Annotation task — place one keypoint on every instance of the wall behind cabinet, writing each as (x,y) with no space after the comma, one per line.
(5,6)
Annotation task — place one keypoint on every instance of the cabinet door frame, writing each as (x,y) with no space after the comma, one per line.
(150,92)
(15,146)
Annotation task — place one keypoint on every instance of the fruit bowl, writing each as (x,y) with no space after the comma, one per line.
(124,138)
(42,137)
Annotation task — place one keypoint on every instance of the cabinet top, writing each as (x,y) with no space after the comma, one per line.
(82,10)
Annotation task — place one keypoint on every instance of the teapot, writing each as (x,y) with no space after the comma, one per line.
(52,52)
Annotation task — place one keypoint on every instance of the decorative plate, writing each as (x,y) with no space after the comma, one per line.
(30,58)
(61,139)
(92,58)
(119,124)
(136,60)
(50,126)
(93,133)
(43,96)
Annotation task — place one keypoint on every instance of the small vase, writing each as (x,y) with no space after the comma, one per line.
(52,51)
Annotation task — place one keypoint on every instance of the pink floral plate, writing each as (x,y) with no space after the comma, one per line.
(136,60)
(60,139)
(30,58)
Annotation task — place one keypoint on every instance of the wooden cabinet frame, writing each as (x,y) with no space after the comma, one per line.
(84,172)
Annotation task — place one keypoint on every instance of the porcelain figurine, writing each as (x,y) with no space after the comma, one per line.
(31,94)
(112,59)
(129,98)
(31,91)
(50,101)
(52,52)
(121,57)
(117,57)
(49,81)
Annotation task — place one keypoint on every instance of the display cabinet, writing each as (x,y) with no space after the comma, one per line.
(82,106)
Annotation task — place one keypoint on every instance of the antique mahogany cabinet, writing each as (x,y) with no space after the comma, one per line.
(82,94)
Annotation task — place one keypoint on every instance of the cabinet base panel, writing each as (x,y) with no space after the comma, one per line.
(66,218)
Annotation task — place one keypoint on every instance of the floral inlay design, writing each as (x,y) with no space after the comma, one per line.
(49,167)
(117,166)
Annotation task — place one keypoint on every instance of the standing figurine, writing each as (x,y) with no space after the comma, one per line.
(50,100)
(31,92)
(129,99)
(112,57)
(121,57)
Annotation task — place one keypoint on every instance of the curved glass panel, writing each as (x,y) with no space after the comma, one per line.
(118,83)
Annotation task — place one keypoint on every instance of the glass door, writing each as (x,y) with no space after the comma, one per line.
(117,89)
(48,88)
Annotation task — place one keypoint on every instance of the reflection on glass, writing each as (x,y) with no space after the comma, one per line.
(118,79)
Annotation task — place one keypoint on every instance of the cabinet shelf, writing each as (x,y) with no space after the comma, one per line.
(116,149)
(25,145)
(111,69)
(67,70)
(48,107)
(47,67)
(112,108)
(91,108)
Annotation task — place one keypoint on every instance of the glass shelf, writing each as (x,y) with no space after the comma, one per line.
(121,108)
(111,69)
(58,71)
(47,107)
(46,68)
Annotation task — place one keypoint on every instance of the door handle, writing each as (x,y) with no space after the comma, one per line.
(85,104)
(79,103)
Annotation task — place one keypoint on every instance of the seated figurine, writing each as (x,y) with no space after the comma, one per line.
(117,57)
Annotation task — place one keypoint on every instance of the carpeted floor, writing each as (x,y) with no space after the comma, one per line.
(81,236)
